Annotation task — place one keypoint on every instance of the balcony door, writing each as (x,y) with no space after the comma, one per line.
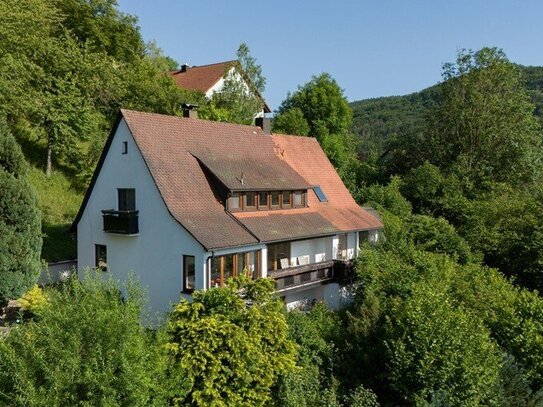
(126,198)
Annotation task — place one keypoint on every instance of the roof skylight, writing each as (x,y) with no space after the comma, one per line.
(320,194)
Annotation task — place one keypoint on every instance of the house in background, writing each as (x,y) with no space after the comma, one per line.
(209,79)
(185,204)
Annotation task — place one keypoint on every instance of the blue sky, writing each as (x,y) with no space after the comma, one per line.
(372,48)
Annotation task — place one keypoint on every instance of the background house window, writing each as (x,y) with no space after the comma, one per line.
(263,200)
(126,199)
(285,198)
(100,257)
(125,147)
(189,274)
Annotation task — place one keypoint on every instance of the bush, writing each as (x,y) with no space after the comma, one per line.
(313,380)
(34,301)
(87,348)
(432,345)
(20,229)
(231,343)
(20,222)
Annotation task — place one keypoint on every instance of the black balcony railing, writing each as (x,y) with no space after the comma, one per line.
(122,222)
(293,277)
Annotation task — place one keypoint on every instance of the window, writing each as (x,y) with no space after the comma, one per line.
(342,247)
(275,199)
(263,200)
(127,199)
(278,256)
(232,265)
(125,147)
(285,198)
(100,257)
(363,237)
(228,267)
(320,194)
(189,274)
(299,198)
(235,201)
(250,200)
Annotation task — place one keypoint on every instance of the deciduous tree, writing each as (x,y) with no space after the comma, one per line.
(484,127)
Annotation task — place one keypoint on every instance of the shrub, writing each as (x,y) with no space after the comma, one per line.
(87,348)
(20,222)
(34,301)
(231,343)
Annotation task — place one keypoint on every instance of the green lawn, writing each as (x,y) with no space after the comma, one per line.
(59,203)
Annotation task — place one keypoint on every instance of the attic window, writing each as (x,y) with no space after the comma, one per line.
(320,194)
(299,199)
(125,147)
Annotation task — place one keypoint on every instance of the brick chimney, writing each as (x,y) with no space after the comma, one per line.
(190,111)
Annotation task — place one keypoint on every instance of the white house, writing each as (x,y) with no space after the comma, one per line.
(185,204)
(209,79)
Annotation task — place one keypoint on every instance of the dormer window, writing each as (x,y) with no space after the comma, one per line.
(235,201)
(286,199)
(263,200)
(274,199)
(299,198)
(250,201)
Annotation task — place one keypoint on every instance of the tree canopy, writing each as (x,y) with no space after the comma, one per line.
(484,127)
(323,106)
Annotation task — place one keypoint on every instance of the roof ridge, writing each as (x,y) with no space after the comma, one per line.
(232,61)
(212,122)
(297,136)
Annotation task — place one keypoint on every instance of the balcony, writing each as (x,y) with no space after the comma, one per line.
(121,222)
(309,274)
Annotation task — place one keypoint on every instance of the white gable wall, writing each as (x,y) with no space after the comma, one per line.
(155,256)
(220,83)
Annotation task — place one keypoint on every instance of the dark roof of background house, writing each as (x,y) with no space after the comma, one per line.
(172,147)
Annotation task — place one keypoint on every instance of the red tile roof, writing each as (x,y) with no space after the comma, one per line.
(203,77)
(246,172)
(340,213)
(172,146)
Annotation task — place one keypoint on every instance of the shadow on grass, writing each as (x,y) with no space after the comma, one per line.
(35,153)
(58,243)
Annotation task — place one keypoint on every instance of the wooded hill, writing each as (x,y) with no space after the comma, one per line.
(376,120)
